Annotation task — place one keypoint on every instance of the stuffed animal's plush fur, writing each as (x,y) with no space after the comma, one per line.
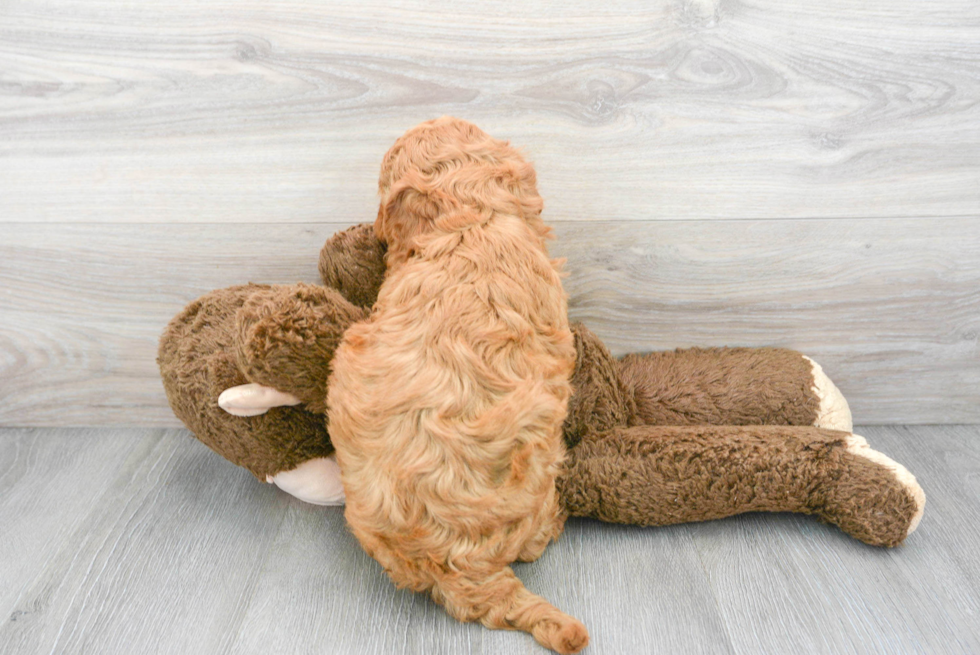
(769,417)
(652,439)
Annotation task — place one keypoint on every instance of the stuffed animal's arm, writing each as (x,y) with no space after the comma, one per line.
(353,263)
(653,475)
(733,386)
(197,359)
(253,399)
(285,340)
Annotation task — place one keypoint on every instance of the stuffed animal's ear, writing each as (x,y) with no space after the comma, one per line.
(353,263)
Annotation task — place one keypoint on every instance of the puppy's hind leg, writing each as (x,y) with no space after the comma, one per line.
(547,531)
(499,600)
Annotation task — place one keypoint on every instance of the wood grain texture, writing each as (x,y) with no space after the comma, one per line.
(890,308)
(163,558)
(83,307)
(50,483)
(666,109)
(167,548)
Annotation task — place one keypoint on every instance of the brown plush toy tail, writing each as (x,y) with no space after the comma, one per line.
(500,601)
(651,475)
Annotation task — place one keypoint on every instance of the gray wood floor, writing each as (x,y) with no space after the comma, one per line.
(143,541)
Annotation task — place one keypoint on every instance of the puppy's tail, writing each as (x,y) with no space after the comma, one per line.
(499,600)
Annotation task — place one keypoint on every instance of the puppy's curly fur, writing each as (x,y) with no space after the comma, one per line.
(446,405)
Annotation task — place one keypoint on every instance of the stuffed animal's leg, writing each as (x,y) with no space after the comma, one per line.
(733,386)
(650,475)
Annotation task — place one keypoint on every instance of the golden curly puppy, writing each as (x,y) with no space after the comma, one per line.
(446,405)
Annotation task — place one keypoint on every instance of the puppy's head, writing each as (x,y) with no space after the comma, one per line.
(446,174)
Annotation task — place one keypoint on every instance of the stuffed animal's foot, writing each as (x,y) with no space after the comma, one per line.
(254,399)
(875,499)
(833,412)
(315,481)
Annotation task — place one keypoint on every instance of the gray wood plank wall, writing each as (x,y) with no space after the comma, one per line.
(804,174)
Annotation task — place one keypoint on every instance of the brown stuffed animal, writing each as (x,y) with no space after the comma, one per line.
(652,439)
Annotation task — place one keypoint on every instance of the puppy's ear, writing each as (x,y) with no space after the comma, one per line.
(408,210)
(519,179)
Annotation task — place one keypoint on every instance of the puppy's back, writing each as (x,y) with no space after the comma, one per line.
(463,369)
